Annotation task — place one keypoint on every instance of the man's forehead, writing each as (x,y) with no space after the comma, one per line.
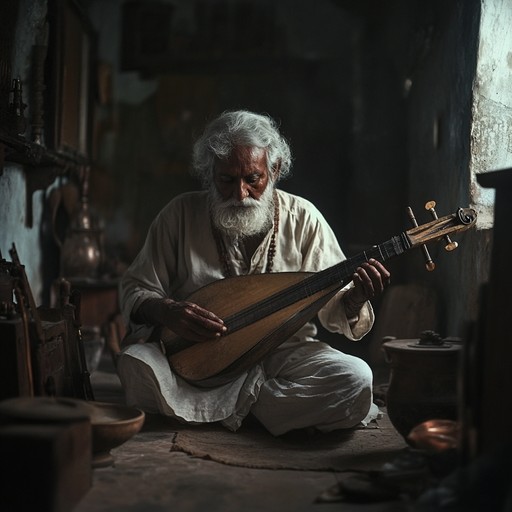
(244,154)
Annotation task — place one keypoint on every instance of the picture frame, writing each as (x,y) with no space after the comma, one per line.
(69,84)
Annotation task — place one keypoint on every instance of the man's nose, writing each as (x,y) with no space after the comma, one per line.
(241,191)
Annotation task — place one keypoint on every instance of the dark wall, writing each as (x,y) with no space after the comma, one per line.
(312,80)
(417,63)
(439,133)
(374,97)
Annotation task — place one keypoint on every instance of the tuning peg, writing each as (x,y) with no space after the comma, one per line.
(429,264)
(450,245)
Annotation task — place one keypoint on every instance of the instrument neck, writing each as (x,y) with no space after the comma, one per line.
(338,275)
(343,272)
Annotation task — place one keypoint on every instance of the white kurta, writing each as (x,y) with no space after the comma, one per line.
(179,256)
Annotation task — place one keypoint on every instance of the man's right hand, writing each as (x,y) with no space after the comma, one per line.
(186,319)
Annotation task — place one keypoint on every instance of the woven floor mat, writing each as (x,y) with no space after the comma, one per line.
(253,447)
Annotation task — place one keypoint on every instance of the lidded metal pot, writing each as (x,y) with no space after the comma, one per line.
(80,255)
(423,382)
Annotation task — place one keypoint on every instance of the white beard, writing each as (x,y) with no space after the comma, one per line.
(241,219)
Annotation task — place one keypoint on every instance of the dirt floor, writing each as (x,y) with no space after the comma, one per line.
(154,471)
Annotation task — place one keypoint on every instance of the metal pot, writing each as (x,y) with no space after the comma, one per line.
(80,251)
(423,380)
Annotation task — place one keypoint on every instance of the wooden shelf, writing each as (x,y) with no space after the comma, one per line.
(41,166)
(19,150)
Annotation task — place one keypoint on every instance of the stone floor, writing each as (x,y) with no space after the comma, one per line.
(146,478)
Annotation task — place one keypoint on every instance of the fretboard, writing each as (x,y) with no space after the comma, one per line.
(339,274)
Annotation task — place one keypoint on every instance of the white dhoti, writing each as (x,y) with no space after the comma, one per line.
(300,384)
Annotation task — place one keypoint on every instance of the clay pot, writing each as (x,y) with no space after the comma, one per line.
(423,381)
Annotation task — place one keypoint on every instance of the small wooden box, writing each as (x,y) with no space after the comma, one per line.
(44,466)
(15,365)
(51,371)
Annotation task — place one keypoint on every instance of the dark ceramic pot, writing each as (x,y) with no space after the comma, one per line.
(423,382)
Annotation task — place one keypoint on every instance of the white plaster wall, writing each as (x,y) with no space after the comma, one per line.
(13,230)
(491,133)
(12,181)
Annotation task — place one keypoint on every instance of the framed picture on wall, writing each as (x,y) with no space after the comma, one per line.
(69,90)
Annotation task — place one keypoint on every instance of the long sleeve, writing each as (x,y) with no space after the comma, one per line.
(178,257)
(319,249)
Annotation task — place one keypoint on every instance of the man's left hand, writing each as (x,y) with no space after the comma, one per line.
(370,280)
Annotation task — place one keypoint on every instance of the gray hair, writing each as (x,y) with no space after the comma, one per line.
(240,128)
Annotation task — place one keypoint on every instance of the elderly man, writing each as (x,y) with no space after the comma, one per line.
(242,224)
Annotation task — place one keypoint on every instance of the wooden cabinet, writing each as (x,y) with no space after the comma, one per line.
(98,301)
(99,316)
(494,413)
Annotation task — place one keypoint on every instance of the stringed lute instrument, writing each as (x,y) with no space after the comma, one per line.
(261,311)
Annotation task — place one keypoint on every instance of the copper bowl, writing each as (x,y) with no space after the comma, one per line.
(112,425)
(435,435)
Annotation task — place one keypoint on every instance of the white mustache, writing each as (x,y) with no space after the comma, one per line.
(248,202)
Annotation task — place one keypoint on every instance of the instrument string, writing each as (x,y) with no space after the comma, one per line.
(339,275)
